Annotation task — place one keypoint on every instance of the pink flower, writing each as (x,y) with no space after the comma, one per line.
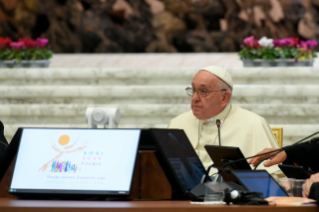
(277,43)
(17,45)
(303,44)
(249,41)
(286,42)
(307,44)
(42,42)
(311,43)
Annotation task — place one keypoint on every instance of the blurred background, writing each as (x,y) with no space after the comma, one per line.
(137,26)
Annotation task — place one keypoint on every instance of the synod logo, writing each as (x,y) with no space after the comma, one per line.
(63,166)
(64,147)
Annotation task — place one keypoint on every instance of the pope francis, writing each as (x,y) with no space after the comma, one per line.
(211,93)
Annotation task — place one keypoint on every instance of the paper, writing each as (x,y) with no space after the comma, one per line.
(285,201)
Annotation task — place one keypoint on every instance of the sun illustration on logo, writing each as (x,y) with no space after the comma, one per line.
(64,147)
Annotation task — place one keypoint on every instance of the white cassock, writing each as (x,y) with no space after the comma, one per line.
(239,128)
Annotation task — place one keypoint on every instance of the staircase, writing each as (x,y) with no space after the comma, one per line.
(150,97)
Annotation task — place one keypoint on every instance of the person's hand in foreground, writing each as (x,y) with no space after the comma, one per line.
(276,159)
(307,185)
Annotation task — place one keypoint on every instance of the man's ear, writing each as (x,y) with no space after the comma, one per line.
(225,98)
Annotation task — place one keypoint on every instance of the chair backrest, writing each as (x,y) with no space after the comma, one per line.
(278,134)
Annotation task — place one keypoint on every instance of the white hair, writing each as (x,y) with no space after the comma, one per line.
(223,85)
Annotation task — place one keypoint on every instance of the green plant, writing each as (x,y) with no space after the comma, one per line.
(6,54)
(268,53)
(32,54)
(288,52)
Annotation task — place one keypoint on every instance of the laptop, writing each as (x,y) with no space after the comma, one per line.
(179,160)
(296,172)
(69,163)
(258,181)
(146,140)
(221,155)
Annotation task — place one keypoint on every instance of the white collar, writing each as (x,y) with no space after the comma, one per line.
(222,113)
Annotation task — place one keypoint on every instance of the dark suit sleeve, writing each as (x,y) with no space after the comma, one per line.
(314,191)
(304,154)
(2,138)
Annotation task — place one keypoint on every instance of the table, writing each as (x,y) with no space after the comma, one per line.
(149,182)
(8,205)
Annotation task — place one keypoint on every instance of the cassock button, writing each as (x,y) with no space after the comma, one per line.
(207,159)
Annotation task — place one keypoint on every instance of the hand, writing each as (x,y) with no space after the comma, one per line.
(279,158)
(307,185)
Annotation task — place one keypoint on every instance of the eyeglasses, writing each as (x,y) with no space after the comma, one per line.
(201,92)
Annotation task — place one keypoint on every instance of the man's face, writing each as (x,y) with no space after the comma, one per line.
(206,107)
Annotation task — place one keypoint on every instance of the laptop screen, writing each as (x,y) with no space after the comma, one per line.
(221,155)
(260,181)
(180,157)
(75,161)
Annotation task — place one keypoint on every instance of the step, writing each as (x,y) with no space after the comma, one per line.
(150,97)
(151,113)
(151,94)
(152,76)
(291,133)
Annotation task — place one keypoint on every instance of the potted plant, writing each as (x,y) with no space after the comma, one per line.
(305,52)
(32,53)
(24,53)
(281,52)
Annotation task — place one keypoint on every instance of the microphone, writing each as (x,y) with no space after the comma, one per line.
(233,161)
(218,127)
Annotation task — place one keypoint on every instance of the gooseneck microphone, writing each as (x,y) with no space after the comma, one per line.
(316,139)
(234,161)
(218,127)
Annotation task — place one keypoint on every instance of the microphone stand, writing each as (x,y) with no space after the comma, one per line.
(218,177)
(218,127)
(282,149)
(276,151)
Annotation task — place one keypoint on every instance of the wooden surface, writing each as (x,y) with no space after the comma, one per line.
(140,206)
(154,184)
(6,181)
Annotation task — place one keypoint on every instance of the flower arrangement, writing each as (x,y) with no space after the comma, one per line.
(24,49)
(288,48)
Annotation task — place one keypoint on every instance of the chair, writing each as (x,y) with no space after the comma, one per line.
(278,134)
